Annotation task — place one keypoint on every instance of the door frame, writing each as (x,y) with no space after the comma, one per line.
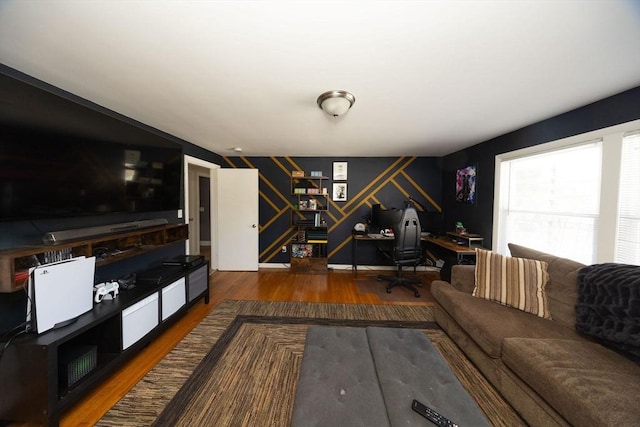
(195,204)
(199,175)
(194,161)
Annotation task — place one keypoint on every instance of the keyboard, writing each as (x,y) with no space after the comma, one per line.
(375,235)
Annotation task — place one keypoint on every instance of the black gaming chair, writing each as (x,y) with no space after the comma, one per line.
(406,251)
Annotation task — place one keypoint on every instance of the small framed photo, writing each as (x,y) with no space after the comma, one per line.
(339,191)
(340,171)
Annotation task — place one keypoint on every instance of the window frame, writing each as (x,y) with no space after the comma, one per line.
(606,237)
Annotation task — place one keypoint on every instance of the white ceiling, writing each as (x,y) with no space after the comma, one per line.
(429,77)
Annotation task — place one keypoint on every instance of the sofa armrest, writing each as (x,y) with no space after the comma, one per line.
(463,277)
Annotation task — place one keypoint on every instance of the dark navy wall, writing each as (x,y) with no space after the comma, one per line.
(30,102)
(478,218)
(389,181)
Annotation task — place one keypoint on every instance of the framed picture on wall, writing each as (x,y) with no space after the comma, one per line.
(466,185)
(339,171)
(339,191)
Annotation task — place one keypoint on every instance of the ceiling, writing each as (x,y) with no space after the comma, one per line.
(429,77)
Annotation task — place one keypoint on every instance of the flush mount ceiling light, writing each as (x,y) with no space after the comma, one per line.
(336,102)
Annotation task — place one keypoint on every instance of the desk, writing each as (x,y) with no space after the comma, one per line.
(459,250)
(446,243)
(453,249)
(355,238)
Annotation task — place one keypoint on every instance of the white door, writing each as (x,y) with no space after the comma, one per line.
(237,219)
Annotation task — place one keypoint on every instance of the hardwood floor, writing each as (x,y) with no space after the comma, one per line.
(265,285)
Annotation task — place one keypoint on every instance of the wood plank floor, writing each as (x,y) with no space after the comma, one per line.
(265,285)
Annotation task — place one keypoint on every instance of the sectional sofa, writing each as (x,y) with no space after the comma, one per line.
(549,372)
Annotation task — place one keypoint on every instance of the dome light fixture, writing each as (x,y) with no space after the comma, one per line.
(336,102)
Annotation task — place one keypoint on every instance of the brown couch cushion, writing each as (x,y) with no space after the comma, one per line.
(562,288)
(511,281)
(463,277)
(489,323)
(586,383)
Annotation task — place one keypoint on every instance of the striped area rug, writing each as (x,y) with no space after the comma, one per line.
(239,366)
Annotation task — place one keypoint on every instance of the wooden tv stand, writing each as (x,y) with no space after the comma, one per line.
(107,248)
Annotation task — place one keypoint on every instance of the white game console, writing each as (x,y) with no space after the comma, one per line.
(59,293)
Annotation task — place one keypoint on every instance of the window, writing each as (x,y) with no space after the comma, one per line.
(577,198)
(628,238)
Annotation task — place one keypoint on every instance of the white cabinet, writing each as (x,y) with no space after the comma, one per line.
(174,296)
(139,319)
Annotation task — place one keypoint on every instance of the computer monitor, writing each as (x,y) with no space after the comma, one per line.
(431,222)
(384,218)
(375,217)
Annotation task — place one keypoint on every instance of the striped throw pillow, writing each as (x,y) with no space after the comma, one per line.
(515,282)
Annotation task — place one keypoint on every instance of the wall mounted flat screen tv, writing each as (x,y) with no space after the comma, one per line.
(52,175)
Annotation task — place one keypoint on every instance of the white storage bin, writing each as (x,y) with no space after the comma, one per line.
(174,296)
(139,319)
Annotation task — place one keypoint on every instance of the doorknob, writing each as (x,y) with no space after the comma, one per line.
(253,226)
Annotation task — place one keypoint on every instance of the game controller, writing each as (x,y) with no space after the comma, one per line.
(108,290)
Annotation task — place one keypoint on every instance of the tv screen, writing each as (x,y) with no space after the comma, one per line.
(52,175)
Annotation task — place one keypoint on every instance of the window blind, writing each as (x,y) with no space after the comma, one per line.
(628,238)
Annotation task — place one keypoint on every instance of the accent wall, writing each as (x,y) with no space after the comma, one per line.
(390,181)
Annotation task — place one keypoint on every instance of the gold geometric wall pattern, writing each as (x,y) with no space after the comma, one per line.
(397,179)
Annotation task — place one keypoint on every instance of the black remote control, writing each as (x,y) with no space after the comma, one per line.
(432,415)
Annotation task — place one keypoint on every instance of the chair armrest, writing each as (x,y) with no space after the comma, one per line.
(463,277)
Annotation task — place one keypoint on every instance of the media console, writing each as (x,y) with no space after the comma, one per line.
(43,375)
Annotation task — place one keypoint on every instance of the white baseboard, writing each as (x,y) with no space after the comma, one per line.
(348,267)
(274,265)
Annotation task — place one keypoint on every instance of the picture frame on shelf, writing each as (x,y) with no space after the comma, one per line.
(466,185)
(340,171)
(339,191)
